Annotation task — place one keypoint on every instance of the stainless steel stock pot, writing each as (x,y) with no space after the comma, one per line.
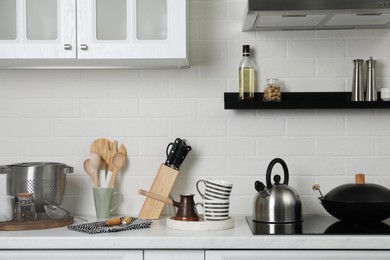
(45,180)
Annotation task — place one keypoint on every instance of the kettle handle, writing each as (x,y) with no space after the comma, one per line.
(269,170)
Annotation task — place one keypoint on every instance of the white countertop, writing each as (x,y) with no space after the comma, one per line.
(158,236)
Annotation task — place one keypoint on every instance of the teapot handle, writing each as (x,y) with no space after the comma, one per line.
(269,170)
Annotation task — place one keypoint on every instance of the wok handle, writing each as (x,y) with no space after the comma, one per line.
(316,187)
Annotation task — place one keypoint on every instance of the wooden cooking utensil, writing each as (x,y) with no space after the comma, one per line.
(113,149)
(91,172)
(122,149)
(118,161)
(106,150)
(98,146)
(95,161)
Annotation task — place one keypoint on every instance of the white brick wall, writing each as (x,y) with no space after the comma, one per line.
(54,115)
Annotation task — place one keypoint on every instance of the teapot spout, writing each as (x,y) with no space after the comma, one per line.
(262,189)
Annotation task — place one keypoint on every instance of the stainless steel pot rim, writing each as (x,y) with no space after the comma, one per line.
(5,169)
(37,164)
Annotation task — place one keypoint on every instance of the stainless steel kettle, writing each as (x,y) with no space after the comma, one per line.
(278,202)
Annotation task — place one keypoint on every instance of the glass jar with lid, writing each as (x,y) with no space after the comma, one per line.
(272,91)
(25,207)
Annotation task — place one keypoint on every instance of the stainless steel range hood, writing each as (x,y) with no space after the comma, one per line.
(276,15)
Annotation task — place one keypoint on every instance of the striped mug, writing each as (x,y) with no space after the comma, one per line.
(215,189)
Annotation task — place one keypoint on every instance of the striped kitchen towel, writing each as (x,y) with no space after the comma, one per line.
(101,227)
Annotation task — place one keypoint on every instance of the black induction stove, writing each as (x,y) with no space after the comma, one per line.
(319,225)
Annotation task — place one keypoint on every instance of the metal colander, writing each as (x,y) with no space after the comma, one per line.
(45,180)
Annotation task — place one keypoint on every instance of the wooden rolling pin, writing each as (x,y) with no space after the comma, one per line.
(158,197)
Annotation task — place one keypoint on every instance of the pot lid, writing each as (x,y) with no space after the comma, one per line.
(359,192)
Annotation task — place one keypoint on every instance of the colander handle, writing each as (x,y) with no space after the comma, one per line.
(4,169)
(68,169)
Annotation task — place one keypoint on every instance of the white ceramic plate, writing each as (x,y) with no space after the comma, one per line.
(200,225)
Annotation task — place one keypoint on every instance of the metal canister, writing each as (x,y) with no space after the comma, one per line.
(357,81)
(371,94)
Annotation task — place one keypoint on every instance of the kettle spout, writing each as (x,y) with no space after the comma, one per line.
(262,189)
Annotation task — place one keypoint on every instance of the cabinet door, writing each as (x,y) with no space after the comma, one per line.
(71,254)
(173,255)
(295,255)
(37,29)
(132,29)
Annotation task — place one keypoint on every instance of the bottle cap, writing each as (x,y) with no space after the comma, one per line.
(371,63)
(245,50)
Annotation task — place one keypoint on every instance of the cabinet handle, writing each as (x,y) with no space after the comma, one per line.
(84,47)
(67,46)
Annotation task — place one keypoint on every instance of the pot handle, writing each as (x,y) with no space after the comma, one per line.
(269,171)
(4,169)
(68,169)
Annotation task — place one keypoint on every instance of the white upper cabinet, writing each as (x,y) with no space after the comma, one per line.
(93,33)
(37,29)
(136,29)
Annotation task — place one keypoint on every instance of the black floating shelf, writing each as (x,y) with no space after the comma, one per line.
(304,100)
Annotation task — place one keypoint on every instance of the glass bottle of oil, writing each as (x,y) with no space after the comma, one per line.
(246,75)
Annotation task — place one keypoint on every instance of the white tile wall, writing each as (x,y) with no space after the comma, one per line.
(55,114)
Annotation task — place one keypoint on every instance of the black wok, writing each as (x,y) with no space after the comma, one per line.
(357,202)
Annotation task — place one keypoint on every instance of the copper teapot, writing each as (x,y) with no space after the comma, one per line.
(186,207)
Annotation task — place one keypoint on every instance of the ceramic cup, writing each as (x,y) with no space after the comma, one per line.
(385,94)
(215,209)
(103,198)
(7,205)
(215,189)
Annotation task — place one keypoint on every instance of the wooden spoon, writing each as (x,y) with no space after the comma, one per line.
(118,161)
(91,172)
(95,161)
(113,149)
(122,149)
(105,153)
(97,146)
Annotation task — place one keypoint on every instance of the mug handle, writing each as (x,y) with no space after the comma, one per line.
(197,187)
(196,207)
(120,200)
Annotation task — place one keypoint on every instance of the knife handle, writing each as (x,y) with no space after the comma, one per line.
(180,154)
(171,153)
